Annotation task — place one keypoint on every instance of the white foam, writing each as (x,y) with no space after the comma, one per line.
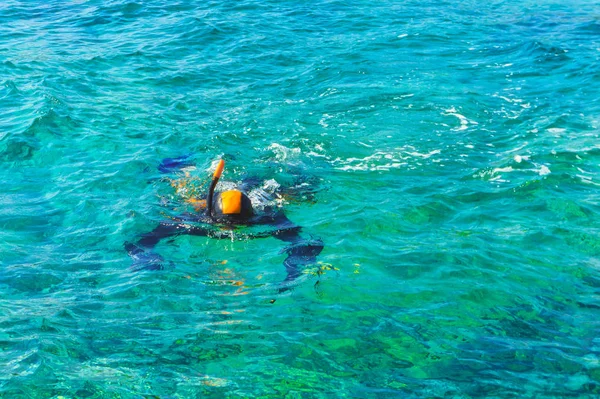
(403,96)
(544,170)
(316,155)
(464,122)
(324,119)
(424,156)
(587,180)
(214,163)
(520,158)
(271,185)
(583,171)
(266,195)
(393,165)
(503,170)
(519,148)
(380,160)
(556,130)
(283,153)
(386,160)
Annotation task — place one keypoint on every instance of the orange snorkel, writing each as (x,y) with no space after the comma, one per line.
(211,190)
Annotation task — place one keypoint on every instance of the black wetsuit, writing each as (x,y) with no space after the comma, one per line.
(300,251)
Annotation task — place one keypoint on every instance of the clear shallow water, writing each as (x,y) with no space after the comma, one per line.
(457,150)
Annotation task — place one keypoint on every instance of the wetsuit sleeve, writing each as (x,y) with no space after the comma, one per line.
(163,230)
(142,254)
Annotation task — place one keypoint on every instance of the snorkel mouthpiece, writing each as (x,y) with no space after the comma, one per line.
(213,184)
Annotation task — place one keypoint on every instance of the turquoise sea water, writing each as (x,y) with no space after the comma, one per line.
(456,150)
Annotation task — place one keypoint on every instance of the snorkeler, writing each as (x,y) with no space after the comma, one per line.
(218,216)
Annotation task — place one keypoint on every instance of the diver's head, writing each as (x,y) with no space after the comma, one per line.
(232,205)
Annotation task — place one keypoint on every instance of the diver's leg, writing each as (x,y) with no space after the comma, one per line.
(169,165)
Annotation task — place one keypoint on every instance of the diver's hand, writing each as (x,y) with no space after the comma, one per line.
(143,259)
(300,254)
(304,249)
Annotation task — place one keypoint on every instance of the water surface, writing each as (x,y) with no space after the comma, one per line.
(455,147)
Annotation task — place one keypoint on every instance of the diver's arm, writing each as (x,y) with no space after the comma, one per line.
(204,232)
(166,230)
(142,254)
(163,230)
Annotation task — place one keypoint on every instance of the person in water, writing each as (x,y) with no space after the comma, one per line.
(222,212)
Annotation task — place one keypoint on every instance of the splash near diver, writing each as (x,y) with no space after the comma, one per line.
(217,215)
